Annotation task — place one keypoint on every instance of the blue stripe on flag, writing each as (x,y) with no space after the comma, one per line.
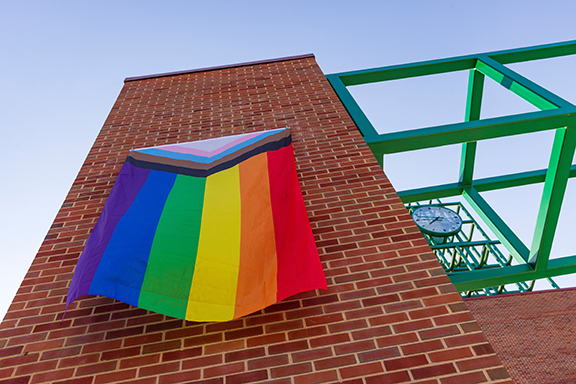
(121,270)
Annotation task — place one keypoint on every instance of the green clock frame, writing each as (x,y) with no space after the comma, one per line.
(554,113)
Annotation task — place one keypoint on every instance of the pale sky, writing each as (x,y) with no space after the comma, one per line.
(63,64)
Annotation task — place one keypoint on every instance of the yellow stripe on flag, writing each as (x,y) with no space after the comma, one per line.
(213,291)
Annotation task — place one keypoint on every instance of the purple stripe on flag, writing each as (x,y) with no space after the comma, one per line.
(127,186)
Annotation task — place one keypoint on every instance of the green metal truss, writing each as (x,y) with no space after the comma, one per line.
(554,113)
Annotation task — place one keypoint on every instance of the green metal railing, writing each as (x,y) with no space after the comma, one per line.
(554,113)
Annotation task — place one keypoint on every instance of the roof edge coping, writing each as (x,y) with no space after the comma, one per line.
(176,73)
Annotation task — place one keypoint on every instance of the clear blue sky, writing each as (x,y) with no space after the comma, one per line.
(63,63)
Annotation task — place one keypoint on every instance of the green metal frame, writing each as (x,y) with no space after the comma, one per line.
(554,113)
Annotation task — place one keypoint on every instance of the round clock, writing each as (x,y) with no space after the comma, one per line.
(437,221)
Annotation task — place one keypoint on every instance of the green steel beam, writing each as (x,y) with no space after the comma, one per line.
(473,105)
(552,196)
(471,131)
(429,193)
(474,95)
(458,63)
(519,85)
(473,280)
(491,278)
(514,180)
(508,238)
(509,181)
(484,278)
(480,185)
(538,52)
(395,72)
(557,265)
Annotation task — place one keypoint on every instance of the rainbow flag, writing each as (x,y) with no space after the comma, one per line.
(209,230)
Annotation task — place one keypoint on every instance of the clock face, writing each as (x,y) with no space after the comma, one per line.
(437,221)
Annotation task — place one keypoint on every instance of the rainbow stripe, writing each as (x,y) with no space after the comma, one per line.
(206,231)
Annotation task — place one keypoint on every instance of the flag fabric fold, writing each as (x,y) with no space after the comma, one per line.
(210,230)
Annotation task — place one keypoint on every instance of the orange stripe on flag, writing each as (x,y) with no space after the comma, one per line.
(258,265)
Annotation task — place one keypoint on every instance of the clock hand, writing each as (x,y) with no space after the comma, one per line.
(434,220)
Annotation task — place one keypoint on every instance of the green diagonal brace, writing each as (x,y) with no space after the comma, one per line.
(552,196)
(521,86)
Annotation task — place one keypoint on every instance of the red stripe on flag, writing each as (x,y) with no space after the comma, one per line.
(299,267)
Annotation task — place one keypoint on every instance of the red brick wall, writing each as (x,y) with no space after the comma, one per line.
(390,313)
(533,333)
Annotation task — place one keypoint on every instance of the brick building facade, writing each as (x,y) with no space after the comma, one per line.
(533,333)
(390,313)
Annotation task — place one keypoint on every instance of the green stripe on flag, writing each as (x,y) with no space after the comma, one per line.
(172,260)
